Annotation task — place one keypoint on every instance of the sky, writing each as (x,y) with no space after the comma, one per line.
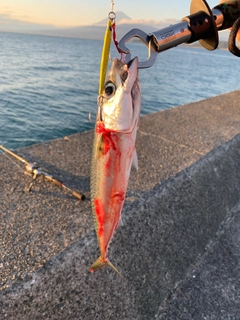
(70,13)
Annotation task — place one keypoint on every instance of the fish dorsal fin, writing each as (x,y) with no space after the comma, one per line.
(135,159)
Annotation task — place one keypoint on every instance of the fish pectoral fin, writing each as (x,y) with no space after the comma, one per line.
(120,222)
(99,263)
(135,160)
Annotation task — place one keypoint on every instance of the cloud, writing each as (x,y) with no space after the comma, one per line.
(6,11)
(10,21)
(8,17)
(5,18)
(16,23)
(154,23)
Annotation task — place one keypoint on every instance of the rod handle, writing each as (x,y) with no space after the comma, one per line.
(230,10)
(78,195)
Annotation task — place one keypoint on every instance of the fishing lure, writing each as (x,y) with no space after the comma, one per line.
(105,54)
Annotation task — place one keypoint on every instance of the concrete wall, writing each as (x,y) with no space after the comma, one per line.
(186,189)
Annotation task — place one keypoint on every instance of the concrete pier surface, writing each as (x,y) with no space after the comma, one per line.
(178,249)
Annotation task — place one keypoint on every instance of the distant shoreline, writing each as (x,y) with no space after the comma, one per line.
(223,45)
(97,33)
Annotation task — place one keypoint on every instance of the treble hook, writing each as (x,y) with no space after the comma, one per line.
(232,38)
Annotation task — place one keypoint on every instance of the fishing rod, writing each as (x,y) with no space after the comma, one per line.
(201,25)
(35,171)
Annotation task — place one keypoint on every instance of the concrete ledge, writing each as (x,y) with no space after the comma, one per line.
(185,190)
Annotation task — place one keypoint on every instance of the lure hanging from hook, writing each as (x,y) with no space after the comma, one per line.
(110,35)
(106,49)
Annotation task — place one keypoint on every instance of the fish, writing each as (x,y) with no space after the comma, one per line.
(114,152)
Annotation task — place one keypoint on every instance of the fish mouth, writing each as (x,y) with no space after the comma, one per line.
(130,62)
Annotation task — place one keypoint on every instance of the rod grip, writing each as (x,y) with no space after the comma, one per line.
(230,10)
(53,180)
(78,195)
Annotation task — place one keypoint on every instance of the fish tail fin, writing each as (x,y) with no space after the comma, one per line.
(114,268)
(99,263)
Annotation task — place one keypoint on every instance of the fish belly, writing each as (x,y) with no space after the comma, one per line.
(111,167)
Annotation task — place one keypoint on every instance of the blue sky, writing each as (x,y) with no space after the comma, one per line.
(68,13)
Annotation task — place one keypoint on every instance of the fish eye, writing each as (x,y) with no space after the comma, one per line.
(109,88)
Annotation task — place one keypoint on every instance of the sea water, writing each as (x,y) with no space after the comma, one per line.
(49,85)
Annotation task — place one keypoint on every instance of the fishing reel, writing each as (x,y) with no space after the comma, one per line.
(30,167)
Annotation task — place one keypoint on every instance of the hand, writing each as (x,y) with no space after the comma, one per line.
(238,34)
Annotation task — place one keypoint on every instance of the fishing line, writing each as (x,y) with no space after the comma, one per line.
(17,165)
(112,16)
(112,5)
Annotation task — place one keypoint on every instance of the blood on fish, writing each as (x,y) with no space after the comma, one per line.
(100,231)
(99,209)
(107,137)
(119,195)
(107,143)
(100,127)
(108,165)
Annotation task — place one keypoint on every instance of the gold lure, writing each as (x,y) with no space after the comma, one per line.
(105,55)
